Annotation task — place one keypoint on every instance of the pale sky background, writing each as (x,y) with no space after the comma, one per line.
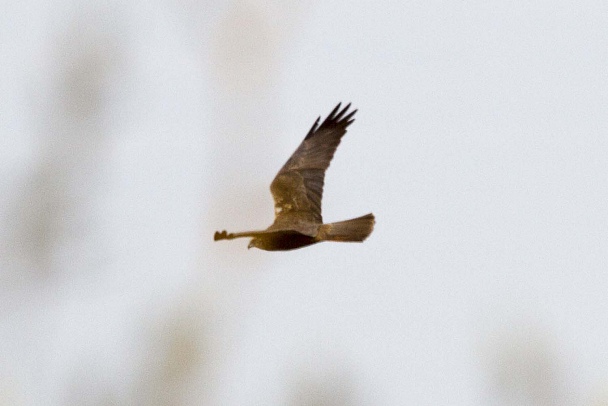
(131,131)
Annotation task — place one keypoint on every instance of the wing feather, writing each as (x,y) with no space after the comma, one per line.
(298,187)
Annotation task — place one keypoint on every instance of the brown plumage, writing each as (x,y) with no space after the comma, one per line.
(298,189)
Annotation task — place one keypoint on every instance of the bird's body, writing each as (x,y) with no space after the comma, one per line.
(298,189)
(283,241)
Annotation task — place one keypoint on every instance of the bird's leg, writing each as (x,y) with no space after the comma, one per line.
(222,236)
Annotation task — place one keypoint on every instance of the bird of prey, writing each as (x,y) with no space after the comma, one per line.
(298,189)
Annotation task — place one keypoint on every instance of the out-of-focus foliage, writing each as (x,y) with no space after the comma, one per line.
(130,131)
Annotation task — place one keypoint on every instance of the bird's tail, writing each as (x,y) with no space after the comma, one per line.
(353,230)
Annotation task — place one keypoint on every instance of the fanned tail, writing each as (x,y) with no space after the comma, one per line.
(353,230)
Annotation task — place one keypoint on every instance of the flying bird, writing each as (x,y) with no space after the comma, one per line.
(298,189)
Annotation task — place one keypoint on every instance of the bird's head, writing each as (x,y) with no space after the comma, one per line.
(253,243)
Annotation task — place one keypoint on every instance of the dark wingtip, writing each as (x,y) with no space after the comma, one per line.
(341,113)
(335,118)
(337,115)
(334,113)
(314,127)
(335,110)
(349,116)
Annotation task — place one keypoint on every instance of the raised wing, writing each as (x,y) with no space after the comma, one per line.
(298,187)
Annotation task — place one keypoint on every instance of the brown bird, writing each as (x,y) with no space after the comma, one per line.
(298,189)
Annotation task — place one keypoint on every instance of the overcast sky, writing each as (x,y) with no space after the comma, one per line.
(130,132)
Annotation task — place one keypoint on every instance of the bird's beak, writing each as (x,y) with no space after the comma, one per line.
(250,245)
